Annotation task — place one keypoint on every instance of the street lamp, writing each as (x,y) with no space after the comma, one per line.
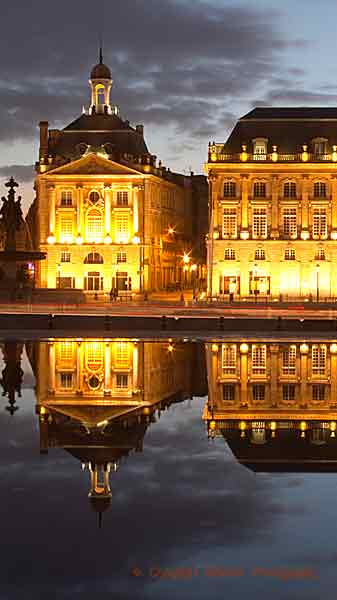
(317,282)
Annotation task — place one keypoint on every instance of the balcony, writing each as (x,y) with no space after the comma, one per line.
(215,155)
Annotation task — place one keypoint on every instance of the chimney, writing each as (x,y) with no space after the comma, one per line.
(140,129)
(43,139)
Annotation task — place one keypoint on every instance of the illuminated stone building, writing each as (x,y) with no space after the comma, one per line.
(96,398)
(106,213)
(273,209)
(275,393)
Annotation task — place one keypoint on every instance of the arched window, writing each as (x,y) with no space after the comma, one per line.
(94,225)
(260,254)
(94,355)
(319,189)
(259,189)
(289,189)
(93,259)
(229,189)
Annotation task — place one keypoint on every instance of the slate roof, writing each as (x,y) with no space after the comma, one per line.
(96,130)
(288,128)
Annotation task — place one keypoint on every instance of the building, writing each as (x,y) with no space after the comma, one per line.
(273,206)
(108,216)
(274,402)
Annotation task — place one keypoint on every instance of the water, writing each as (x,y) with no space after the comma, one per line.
(202,490)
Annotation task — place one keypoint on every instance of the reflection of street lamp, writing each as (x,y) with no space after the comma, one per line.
(317,282)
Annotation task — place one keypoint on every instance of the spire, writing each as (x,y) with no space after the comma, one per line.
(100,54)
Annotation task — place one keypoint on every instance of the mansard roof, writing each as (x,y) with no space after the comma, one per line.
(287,128)
(96,130)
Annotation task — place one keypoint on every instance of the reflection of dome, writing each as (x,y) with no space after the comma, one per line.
(100,71)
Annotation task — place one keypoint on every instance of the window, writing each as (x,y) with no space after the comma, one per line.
(94,197)
(229,189)
(290,222)
(122,381)
(259,189)
(122,228)
(318,356)
(65,257)
(94,225)
(122,354)
(64,283)
(289,360)
(288,392)
(93,258)
(259,358)
(259,223)
(121,257)
(93,282)
(228,392)
(230,254)
(66,380)
(260,254)
(289,254)
(320,254)
(94,354)
(66,228)
(319,147)
(65,352)
(229,358)
(318,392)
(260,149)
(259,392)
(319,223)
(319,189)
(289,189)
(229,228)
(122,198)
(66,198)
(258,284)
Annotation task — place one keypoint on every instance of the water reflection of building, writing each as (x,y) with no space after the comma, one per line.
(274,402)
(12,374)
(96,398)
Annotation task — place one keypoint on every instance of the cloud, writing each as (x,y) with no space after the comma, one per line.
(179,64)
(21,173)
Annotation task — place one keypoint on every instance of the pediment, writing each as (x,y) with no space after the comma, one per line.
(92,164)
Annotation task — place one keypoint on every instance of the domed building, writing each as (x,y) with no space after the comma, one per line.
(109,217)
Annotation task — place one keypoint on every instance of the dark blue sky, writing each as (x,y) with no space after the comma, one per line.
(185,68)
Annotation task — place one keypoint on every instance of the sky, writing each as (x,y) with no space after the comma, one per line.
(186,69)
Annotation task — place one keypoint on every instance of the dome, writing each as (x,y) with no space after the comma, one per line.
(100,71)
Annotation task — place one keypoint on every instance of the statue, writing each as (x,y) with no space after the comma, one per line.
(11,215)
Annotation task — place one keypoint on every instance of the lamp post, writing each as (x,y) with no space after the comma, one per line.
(317,282)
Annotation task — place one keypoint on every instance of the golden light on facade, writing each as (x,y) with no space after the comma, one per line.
(273,425)
(242,425)
(51,239)
(274,155)
(170,231)
(107,239)
(303,426)
(333,348)
(244,235)
(79,240)
(212,425)
(136,239)
(305,155)
(304,235)
(194,267)
(244,348)
(333,426)
(213,156)
(304,348)
(186,258)
(215,347)
(334,235)
(170,348)
(244,155)
(334,154)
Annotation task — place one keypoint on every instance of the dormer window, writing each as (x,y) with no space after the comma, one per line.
(319,146)
(260,148)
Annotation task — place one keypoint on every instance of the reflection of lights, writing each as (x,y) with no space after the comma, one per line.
(107,239)
(51,239)
(303,425)
(242,425)
(212,425)
(79,239)
(244,348)
(136,239)
(273,426)
(186,258)
(214,347)
(333,348)
(170,230)
(305,235)
(304,348)
(194,267)
(170,348)
(244,235)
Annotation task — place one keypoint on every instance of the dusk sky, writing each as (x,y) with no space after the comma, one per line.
(185,68)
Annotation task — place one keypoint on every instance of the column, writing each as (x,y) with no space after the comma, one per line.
(334,203)
(135,367)
(305,202)
(135,190)
(107,207)
(304,349)
(244,204)
(79,367)
(52,365)
(274,207)
(274,353)
(79,209)
(107,369)
(244,373)
(52,208)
